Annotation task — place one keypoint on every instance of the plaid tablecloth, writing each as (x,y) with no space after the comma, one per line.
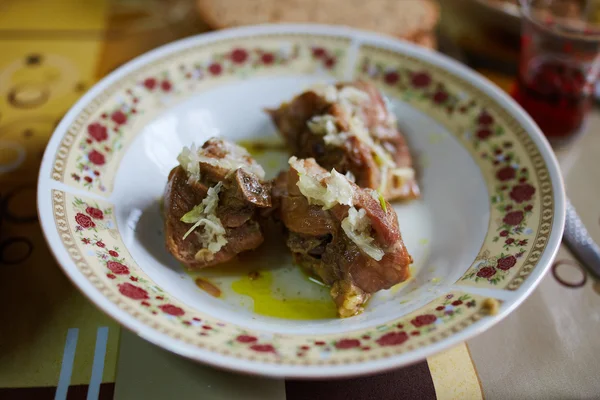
(55,344)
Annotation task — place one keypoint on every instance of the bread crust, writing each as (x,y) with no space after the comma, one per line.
(376,15)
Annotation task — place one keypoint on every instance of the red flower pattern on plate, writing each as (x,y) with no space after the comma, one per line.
(391,77)
(133,292)
(327,59)
(267,58)
(96,157)
(172,310)
(392,339)
(522,192)
(506,173)
(246,339)
(484,133)
(513,218)
(485,119)
(421,80)
(117,268)
(215,69)
(97,131)
(440,97)
(318,52)
(166,86)
(94,212)
(506,263)
(486,272)
(423,320)
(263,348)
(239,56)
(84,221)
(150,83)
(347,344)
(119,117)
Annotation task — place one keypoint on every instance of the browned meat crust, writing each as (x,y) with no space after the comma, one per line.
(353,155)
(240,197)
(320,245)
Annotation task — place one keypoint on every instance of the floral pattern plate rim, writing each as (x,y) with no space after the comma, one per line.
(77,213)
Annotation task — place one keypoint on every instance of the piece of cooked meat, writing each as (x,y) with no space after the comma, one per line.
(348,127)
(347,236)
(211,202)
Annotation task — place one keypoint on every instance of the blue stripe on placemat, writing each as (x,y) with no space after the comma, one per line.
(66,368)
(98,365)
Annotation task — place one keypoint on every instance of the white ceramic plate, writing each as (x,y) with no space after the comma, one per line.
(488,225)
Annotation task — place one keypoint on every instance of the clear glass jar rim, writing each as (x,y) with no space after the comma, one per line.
(584,31)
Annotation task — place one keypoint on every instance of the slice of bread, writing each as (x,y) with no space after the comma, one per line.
(424,39)
(401,18)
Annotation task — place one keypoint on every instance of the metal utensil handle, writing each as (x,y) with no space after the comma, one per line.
(580,242)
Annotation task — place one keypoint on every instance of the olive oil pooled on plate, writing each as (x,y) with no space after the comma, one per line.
(265,281)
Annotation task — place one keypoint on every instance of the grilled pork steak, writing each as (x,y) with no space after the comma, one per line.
(217,191)
(346,236)
(349,127)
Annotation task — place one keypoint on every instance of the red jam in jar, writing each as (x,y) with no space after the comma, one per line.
(556,95)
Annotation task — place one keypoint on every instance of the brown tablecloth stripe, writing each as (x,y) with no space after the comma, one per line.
(413,382)
(76,392)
